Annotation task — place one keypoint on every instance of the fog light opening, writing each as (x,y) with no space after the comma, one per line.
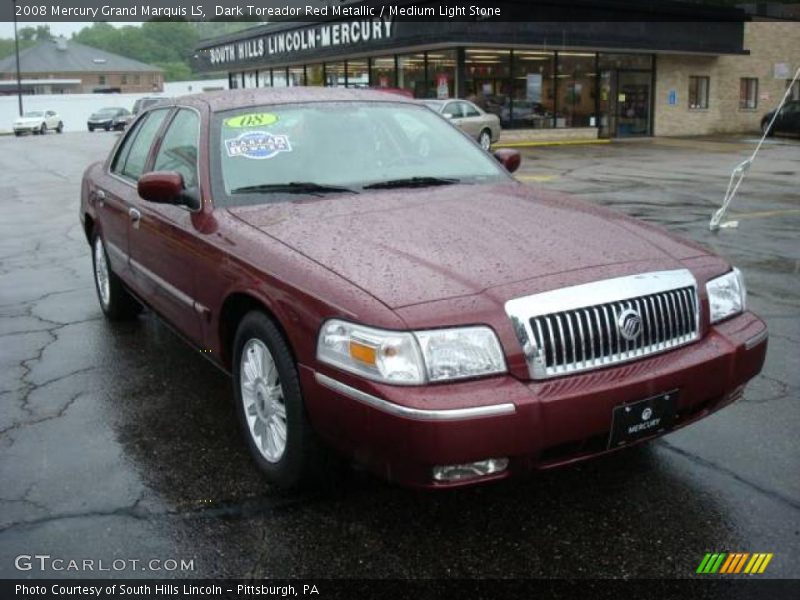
(474,470)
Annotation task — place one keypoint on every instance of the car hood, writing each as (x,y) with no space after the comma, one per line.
(27,120)
(413,246)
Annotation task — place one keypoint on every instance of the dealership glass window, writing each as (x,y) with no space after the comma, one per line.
(358,73)
(748,93)
(382,72)
(442,74)
(296,76)
(487,79)
(698,91)
(533,90)
(250,79)
(334,74)
(637,62)
(279,77)
(575,96)
(233,80)
(411,73)
(315,75)
(265,78)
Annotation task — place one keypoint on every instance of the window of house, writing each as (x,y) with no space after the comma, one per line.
(124,79)
(101,79)
(698,92)
(137,79)
(748,92)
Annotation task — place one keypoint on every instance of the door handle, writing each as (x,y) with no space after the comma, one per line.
(135,217)
(100,197)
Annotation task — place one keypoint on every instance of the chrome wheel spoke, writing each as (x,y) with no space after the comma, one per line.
(263,400)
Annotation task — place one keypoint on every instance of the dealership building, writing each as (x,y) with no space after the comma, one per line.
(564,70)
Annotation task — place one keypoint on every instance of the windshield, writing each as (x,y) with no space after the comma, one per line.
(34,113)
(107,112)
(266,153)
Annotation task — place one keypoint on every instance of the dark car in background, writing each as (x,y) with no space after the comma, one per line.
(145,102)
(786,123)
(109,118)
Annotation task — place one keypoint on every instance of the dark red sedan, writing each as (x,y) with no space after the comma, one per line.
(381,287)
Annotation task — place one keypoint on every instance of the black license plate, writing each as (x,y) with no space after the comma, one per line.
(643,418)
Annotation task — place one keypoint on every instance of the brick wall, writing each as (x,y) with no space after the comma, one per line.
(769,43)
(127,82)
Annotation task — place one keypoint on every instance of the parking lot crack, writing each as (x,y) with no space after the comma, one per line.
(699,460)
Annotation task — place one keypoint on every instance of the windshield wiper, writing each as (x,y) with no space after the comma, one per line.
(293,187)
(411,182)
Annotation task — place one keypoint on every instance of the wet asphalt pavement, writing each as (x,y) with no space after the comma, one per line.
(120,442)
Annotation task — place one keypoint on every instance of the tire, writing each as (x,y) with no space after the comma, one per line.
(60,127)
(17,133)
(269,406)
(107,127)
(91,129)
(764,126)
(43,129)
(485,139)
(115,300)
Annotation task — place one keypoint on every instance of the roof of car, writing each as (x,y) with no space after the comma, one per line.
(232,99)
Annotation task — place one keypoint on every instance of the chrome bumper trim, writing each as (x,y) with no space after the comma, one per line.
(450,414)
(756,339)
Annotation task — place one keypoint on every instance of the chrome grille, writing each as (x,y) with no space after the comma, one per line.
(578,328)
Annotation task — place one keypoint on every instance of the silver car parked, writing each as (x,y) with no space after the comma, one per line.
(482,126)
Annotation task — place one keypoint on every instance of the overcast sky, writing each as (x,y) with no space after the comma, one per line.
(66,29)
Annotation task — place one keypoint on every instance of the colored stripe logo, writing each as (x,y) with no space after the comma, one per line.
(734,562)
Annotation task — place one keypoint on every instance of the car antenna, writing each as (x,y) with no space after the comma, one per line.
(737,176)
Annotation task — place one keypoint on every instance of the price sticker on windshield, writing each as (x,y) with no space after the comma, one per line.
(251,120)
(258,145)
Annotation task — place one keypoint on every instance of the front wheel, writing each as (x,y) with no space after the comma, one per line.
(485,139)
(43,129)
(115,300)
(269,405)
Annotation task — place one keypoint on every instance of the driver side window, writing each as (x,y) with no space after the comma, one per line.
(452,110)
(178,151)
(132,155)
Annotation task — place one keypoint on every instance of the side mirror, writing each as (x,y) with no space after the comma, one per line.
(509,158)
(165,187)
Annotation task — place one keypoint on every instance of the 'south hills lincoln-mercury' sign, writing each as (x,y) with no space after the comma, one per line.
(326,35)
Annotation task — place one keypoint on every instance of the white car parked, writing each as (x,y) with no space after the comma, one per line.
(38,121)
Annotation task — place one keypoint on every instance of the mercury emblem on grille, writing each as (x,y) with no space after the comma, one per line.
(629,324)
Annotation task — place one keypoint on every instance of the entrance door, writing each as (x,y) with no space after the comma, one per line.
(633,103)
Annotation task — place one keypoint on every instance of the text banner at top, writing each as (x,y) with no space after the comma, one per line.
(320,10)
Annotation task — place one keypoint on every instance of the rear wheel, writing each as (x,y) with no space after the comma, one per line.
(60,128)
(765,128)
(269,405)
(108,127)
(485,139)
(115,300)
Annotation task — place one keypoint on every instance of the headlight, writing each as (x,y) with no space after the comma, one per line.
(410,358)
(726,295)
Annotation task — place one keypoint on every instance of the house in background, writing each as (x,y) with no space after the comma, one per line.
(63,66)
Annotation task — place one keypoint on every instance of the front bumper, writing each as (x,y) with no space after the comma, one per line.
(26,128)
(403,432)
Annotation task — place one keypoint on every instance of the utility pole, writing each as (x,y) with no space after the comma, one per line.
(16,51)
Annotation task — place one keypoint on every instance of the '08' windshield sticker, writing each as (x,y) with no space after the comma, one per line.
(258,145)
